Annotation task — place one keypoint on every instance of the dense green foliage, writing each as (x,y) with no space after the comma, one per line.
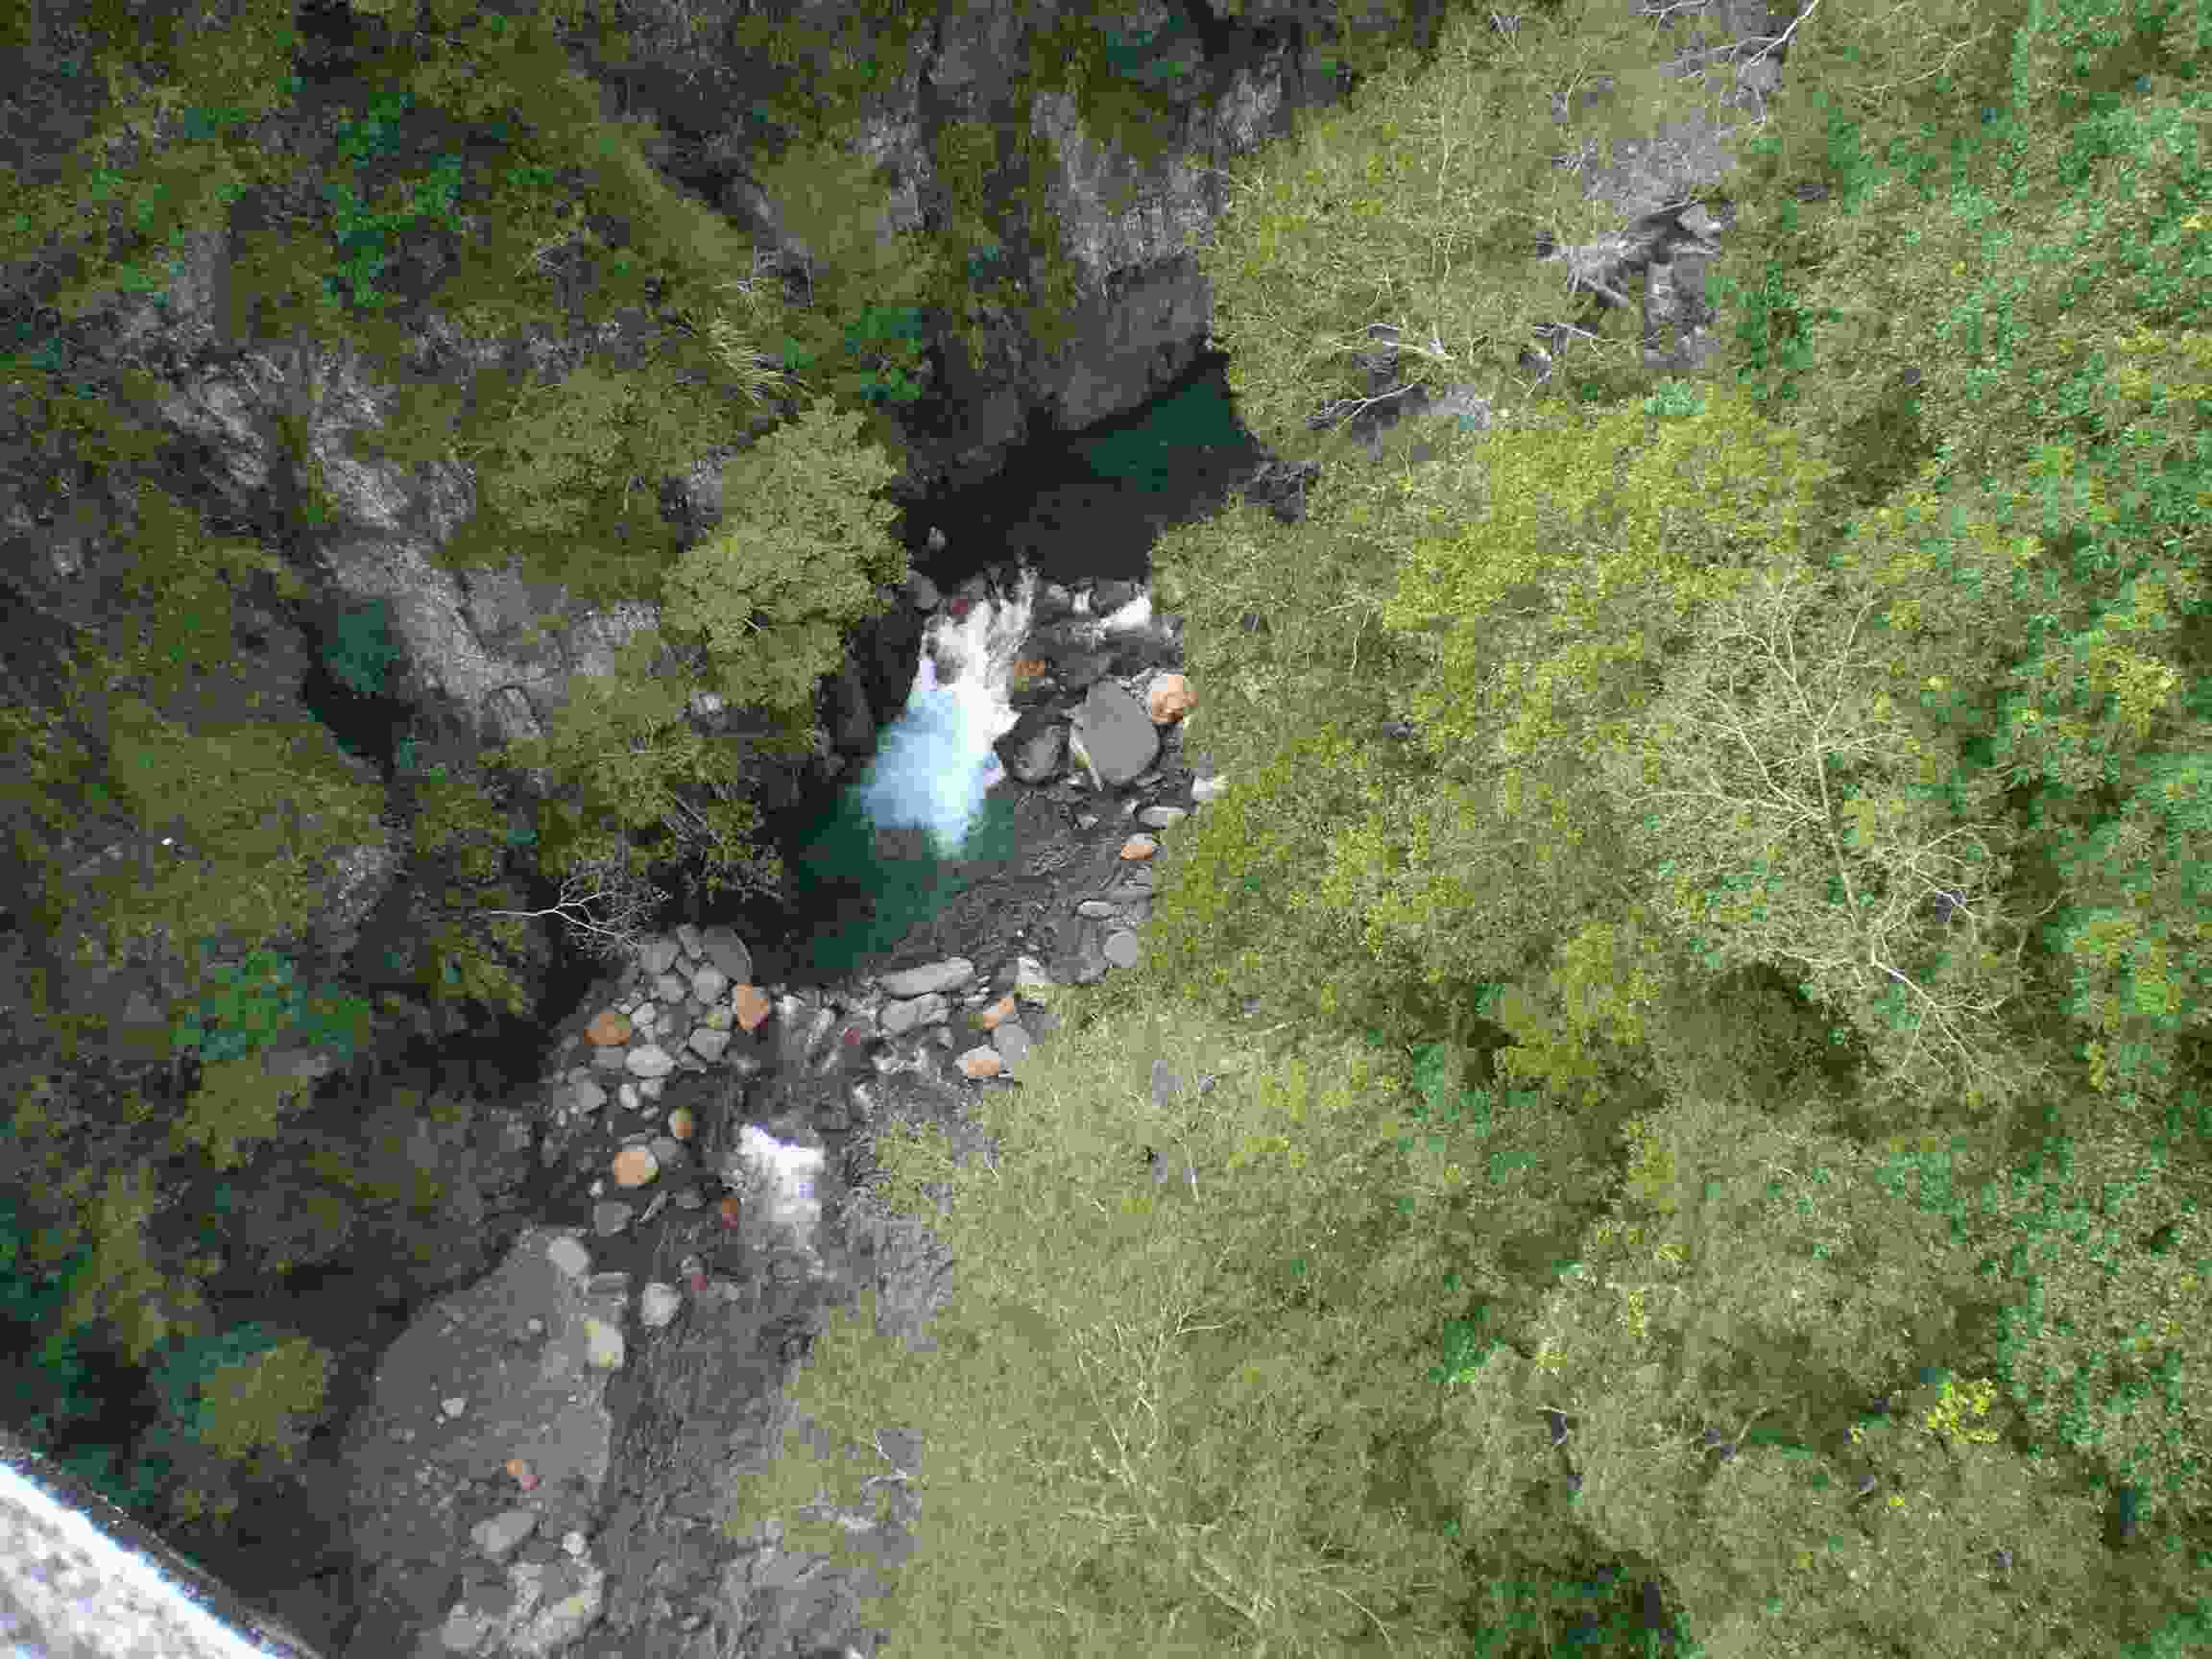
(48,1375)
(365,231)
(802,553)
(241,1398)
(258,1002)
(1747,1047)
(1157,56)
(890,339)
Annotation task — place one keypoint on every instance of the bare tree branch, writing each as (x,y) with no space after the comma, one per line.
(1779,734)
(1346,408)
(605,906)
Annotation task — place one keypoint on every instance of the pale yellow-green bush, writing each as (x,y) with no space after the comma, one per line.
(1183,1444)
(237,1106)
(1416,208)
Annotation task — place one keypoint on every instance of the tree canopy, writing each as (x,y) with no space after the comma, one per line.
(1719,1146)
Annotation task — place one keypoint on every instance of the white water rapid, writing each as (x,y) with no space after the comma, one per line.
(935,762)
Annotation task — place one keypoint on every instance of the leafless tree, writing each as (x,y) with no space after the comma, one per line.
(604,904)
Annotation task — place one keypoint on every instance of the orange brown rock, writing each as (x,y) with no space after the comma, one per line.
(750,1007)
(982,1063)
(1169,698)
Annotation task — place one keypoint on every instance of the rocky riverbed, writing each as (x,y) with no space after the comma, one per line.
(541,1462)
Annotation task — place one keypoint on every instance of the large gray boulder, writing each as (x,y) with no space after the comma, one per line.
(1112,729)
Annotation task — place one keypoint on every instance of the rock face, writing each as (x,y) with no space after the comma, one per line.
(1126,228)
(499,650)
(1130,231)
(535,1381)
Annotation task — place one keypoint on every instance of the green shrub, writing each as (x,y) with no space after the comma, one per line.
(366,235)
(136,1483)
(804,552)
(32,1292)
(987,265)
(29,1290)
(1161,56)
(367,223)
(892,342)
(52,1397)
(239,1399)
(257,1003)
(2100,1349)
(377,132)
(120,1279)
(249,1007)
(179,1378)
(2185,1633)
(468,941)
